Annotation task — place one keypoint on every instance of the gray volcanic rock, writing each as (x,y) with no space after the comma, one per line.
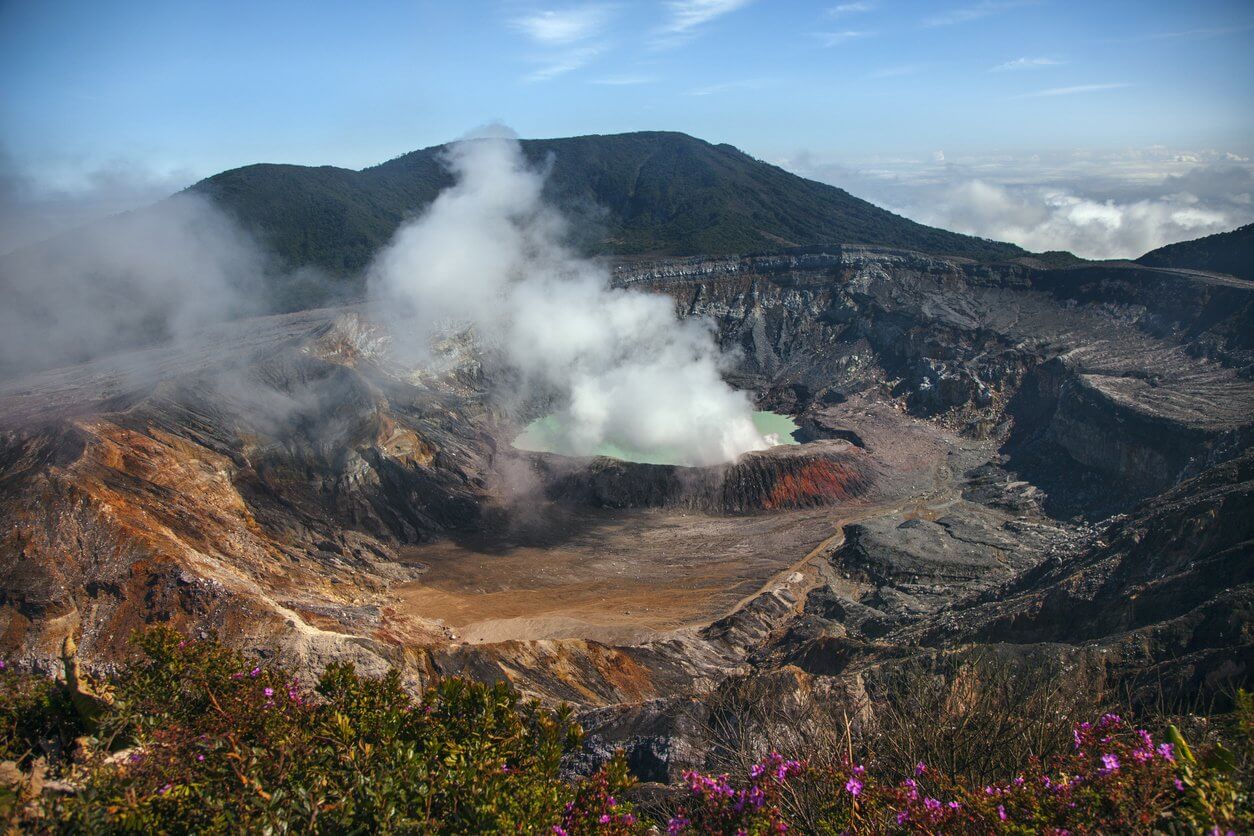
(927,561)
(1170,586)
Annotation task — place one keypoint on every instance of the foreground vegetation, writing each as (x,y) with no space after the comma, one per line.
(192,737)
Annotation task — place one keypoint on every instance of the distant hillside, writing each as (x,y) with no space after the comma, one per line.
(1227,252)
(631,194)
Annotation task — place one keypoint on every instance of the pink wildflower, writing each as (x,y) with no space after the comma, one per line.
(854,786)
(677,825)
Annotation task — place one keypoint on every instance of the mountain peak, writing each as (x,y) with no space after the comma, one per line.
(640,193)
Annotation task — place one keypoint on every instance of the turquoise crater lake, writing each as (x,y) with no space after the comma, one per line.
(548,435)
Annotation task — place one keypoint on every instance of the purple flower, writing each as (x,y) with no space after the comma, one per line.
(920,768)
(605,818)
(903,817)
(1110,763)
(676,825)
(269,692)
(3,664)
(854,786)
(1001,812)
(1166,751)
(255,672)
(1079,732)
(931,804)
(558,830)
(1179,785)
(165,789)
(954,805)
(200,758)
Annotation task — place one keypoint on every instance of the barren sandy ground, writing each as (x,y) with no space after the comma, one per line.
(619,577)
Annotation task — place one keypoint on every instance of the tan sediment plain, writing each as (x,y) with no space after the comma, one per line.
(620,577)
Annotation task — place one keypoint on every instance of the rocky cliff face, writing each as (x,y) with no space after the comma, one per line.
(1130,377)
(254,483)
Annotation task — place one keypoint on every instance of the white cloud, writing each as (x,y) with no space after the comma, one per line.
(624,80)
(1202,33)
(896,72)
(1094,204)
(1041,219)
(850,9)
(684,17)
(1073,90)
(563,62)
(727,86)
(568,26)
(835,38)
(965,14)
(1025,64)
(568,35)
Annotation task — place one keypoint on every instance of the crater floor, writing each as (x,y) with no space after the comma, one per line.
(620,577)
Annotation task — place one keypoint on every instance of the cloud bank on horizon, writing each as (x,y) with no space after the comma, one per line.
(1096,205)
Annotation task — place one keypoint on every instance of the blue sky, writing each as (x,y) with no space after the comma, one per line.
(166,92)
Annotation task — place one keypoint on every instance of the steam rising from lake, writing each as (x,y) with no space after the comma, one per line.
(625,369)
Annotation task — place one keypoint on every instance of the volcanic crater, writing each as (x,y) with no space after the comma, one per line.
(966,429)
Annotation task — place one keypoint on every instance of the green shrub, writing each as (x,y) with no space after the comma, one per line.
(199,739)
(219,744)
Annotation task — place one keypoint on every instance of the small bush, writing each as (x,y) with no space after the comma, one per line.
(220,744)
(199,739)
(1116,779)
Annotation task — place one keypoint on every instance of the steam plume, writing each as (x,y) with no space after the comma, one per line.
(624,368)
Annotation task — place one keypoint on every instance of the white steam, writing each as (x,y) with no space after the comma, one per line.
(126,281)
(625,369)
